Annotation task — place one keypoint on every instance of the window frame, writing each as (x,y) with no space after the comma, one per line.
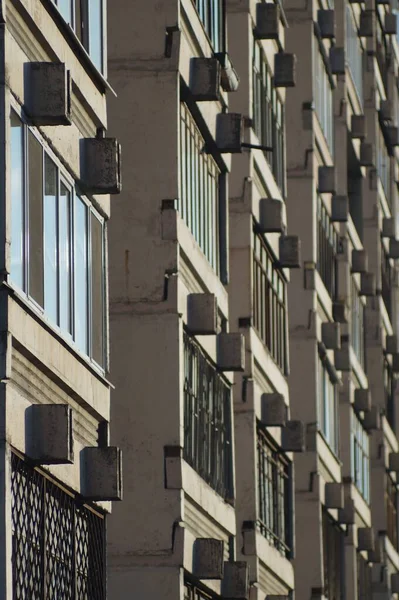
(360,454)
(322,105)
(63,177)
(327,427)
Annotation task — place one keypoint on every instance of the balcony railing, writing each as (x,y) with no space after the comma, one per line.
(333,549)
(354,53)
(207,420)
(386,281)
(364,579)
(327,249)
(357,324)
(58,543)
(360,460)
(268,115)
(269,303)
(273,495)
(391,497)
(212,15)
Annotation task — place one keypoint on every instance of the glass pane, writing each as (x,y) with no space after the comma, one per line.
(81,274)
(65,259)
(97,290)
(50,240)
(96,33)
(65,8)
(35,187)
(17,202)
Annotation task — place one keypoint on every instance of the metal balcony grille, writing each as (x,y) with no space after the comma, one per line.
(391,499)
(327,249)
(269,303)
(364,580)
(193,593)
(268,115)
(357,324)
(386,280)
(333,556)
(389,389)
(212,15)
(58,544)
(207,420)
(273,495)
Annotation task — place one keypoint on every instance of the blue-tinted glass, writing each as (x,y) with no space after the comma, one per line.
(50,241)
(17,202)
(81,275)
(65,259)
(96,33)
(65,8)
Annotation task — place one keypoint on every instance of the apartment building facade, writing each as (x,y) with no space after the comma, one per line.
(58,473)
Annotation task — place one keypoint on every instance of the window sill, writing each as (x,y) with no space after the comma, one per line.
(36,314)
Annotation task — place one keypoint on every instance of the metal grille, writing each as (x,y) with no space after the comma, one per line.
(323,95)
(391,498)
(191,592)
(354,53)
(386,280)
(273,495)
(389,389)
(199,188)
(327,249)
(269,303)
(364,580)
(332,558)
(211,13)
(357,324)
(207,420)
(58,545)
(360,461)
(268,115)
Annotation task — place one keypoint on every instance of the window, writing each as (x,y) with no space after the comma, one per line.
(327,404)
(199,189)
(364,579)
(357,323)
(360,461)
(391,499)
(274,511)
(58,543)
(354,53)
(323,95)
(268,115)
(269,303)
(389,390)
(327,248)
(57,245)
(333,557)
(86,19)
(207,420)
(383,164)
(211,13)
(386,280)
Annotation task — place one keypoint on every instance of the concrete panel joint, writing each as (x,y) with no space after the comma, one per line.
(205,79)
(326,180)
(326,23)
(367,284)
(289,252)
(284,69)
(389,227)
(48,90)
(202,311)
(229,132)
(362,400)
(293,437)
(340,209)
(102,473)
(365,539)
(271,215)
(267,21)
(273,410)
(229,76)
(208,560)
(331,335)
(235,583)
(358,127)
(231,352)
(337,60)
(334,495)
(100,166)
(51,437)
